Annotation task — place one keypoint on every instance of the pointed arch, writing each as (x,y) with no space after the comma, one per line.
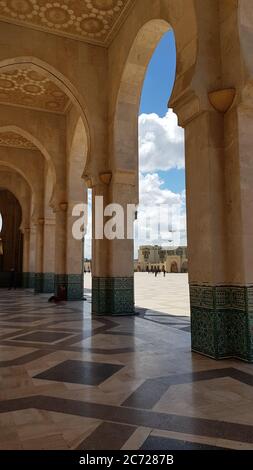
(59,79)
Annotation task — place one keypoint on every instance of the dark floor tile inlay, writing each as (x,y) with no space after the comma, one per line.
(163,443)
(42,337)
(107,436)
(80,372)
(150,392)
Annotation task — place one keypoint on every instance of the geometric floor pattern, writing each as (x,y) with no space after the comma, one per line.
(72,381)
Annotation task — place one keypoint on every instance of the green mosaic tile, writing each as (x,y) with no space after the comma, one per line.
(113,296)
(226,329)
(72,283)
(28,280)
(44,283)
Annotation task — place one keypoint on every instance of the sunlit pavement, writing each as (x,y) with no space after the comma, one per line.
(169,294)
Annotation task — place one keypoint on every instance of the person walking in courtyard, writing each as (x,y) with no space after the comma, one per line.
(164,271)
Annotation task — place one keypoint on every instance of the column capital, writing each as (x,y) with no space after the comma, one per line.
(57,207)
(103,177)
(186,107)
(125,177)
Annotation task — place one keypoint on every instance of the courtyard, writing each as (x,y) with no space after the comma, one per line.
(167,295)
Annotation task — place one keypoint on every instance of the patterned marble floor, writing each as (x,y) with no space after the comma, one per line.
(70,381)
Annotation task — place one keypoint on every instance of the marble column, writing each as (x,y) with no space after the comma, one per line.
(39,255)
(220,230)
(47,276)
(112,259)
(26,256)
(60,249)
(74,262)
(32,257)
(45,257)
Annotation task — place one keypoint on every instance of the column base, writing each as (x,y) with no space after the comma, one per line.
(222,321)
(44,283)
(69,286)
(113,296)
(28,280)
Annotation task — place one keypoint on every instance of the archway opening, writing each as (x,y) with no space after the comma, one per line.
(50,103)
(160,232)
(11,240)
(77,244)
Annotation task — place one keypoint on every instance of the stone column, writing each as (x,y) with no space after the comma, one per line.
(26,256)
(45,257)
(60,249)
(206,227)
(74,268)
(235,299)
(112,260)
(32,256)
(219,172)
(47,276)
(39,256)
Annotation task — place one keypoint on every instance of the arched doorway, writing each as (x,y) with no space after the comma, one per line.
(11,239)
(124,137)
(174,267)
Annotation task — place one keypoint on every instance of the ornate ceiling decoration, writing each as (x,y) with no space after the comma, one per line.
(11,139)
(95,21)
(26,87)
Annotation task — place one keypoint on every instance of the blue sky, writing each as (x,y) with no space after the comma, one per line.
(161,151)
(160,77)
(156,92)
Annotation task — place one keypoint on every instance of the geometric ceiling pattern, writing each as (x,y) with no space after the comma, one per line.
(11,139)
(94,21)
(26,87)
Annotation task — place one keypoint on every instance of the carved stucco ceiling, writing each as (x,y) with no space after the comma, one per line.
(11,139)
(26,87)
(95,21)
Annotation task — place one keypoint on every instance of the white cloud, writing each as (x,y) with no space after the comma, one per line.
(170,227)
(161,148)
(161,142)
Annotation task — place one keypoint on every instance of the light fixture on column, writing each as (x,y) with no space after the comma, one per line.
(222,100)
(63,206)
(105,177)
(88,181)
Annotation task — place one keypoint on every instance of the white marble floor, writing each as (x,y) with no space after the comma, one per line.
(169,294)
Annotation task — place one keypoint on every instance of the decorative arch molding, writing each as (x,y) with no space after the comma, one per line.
(31,184)
(40,147)
(16,184)
(34,141)
(15,169)
(77,161)
(59,79)
(125,129)
(149,28)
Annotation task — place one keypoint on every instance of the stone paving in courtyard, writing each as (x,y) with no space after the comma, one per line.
(169,294)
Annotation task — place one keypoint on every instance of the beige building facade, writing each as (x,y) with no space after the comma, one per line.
(70,85)
(154,257)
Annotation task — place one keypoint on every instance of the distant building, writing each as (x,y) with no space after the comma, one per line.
(174,260)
